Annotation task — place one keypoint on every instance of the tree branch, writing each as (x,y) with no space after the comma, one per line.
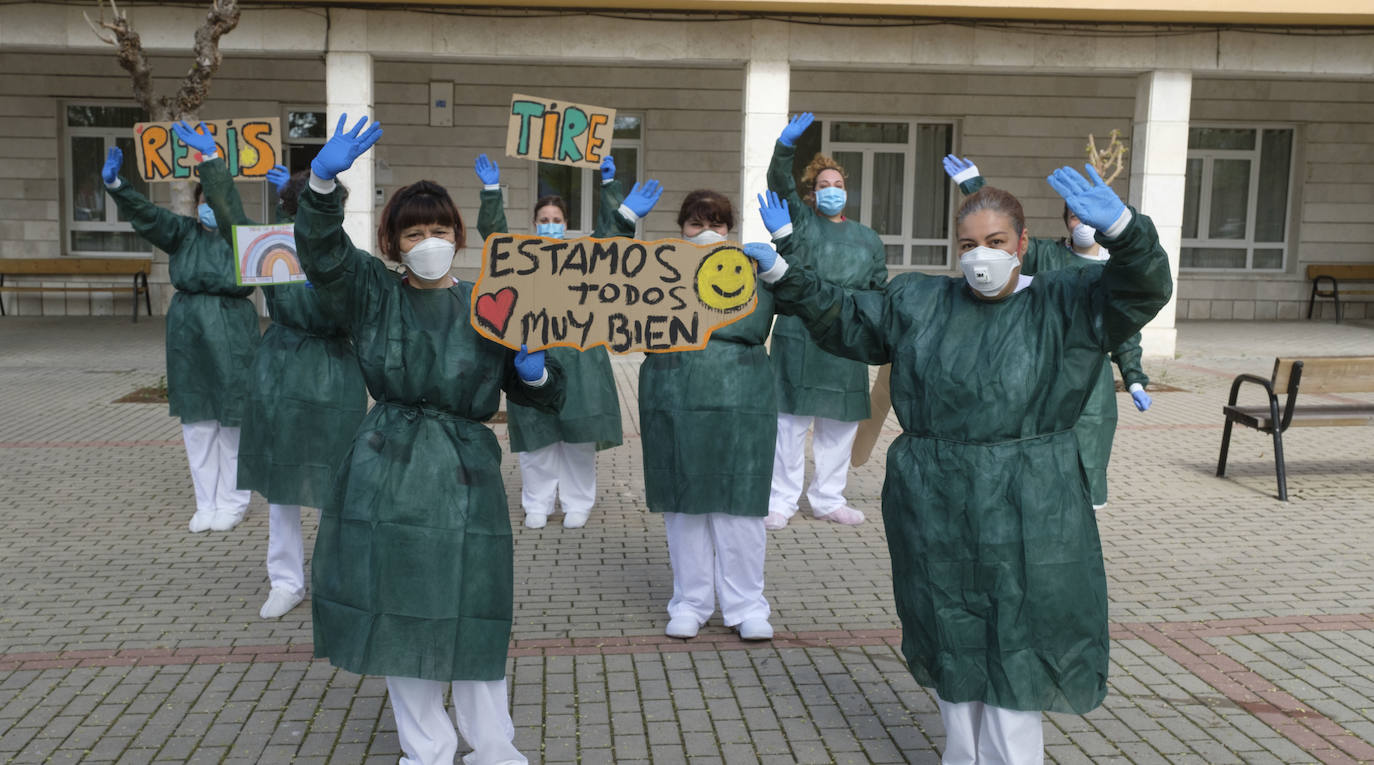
(132,59)
(221,20)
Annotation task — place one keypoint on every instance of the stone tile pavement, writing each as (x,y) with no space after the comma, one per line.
(1243,627)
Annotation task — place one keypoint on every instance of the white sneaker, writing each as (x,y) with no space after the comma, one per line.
(225,520)
(682,627)
(755,629)
(536,520)
(575,520)
(201,521)
(279,602)
(775,521)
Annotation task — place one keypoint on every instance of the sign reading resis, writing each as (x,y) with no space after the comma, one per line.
(250,147)
(559,132)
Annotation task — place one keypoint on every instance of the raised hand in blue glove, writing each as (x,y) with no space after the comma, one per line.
(487,171)
(643,197)
(761,253)
(956,165)
(530,366)
(795,127)
(1141,398)
(113,161)
(608,169)
(197,138)
(343,148)
(278,176)
(1093,201)
(774,211)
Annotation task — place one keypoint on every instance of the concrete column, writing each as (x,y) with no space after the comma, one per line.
(1159,161)
(348,90)
(767,84)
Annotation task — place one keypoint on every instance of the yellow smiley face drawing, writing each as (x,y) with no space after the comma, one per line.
(725,279)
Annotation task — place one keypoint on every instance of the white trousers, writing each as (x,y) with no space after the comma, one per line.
(979,734)
(716,555)
(285,548)
(565,470)
(831,446)
(213,453)
(426,731)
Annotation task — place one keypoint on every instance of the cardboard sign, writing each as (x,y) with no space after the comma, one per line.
(628,295)
(559,132)
(250,148)
(266,255)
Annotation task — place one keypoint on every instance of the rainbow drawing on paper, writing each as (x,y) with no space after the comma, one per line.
(267,255)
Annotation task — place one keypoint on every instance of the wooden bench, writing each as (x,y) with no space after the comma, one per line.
(136,268)
(1333,275)
(1318,375)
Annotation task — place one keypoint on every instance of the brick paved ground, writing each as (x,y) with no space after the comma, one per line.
(1243,627)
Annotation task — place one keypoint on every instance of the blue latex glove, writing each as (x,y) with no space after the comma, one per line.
(762,253)
(487,171)
(113,161)
(530,366)
(278,176)
(774,211)
(343,148)
(1141,398)
(608,169)
(1093,201)
(198,138)
(795,127)
(643,197)
(955,165)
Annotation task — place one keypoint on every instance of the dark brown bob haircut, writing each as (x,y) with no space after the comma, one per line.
(418,204)
(554,200)
(997,200)
(710,206)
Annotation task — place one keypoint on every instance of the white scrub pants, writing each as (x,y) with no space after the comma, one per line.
(831,446)
(565,470)
(426,731)
(980,734)
(285,548)
(213,453)
(716,555)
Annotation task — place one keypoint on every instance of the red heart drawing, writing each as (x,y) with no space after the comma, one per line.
(495,309)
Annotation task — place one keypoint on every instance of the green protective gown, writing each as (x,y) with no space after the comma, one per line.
(212,328)
(996,562)
(810,381)
(306,394)
(412,573)
(1097,426)
(708,421)
(592,411)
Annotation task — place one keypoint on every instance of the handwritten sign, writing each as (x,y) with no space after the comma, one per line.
(266,255)
(250,148)
(558,131)
(628,295)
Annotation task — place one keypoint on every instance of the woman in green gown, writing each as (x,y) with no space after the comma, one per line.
(996,563)
(557,453)
(820,391)
(212,332)
(305,396)
(412,575)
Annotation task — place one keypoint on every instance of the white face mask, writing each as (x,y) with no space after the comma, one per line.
(1083,236)
(706,236)
(431,258)
(988,270)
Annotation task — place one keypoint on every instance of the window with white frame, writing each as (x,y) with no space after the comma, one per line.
(91,218)
(896,184)
(1236,198)
(306,133)
(574,183)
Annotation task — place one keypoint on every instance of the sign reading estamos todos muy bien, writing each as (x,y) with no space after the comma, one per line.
(549,130)
(250,148)
(625,294)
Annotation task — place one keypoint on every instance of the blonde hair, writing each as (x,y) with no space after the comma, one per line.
(818,163)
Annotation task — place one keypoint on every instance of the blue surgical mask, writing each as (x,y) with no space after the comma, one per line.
(206,215)
(830,200)
(551,230)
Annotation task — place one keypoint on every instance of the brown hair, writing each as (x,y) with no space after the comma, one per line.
(418,204)
(710,206)
(554,200)
(290,194)
(997,200)
(817,164)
